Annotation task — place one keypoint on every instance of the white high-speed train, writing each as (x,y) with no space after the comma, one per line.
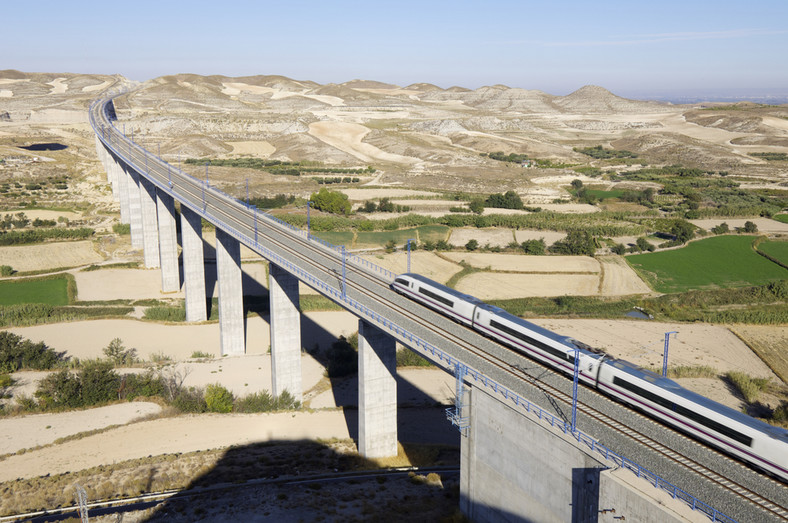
(754,441)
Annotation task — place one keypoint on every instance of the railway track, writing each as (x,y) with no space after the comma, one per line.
(363,285)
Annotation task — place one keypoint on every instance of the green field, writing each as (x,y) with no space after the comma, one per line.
(378,238)
(336,237)
(432,233)
(604,195)
(722,261)
(781,218)
(776,250)
(49,291)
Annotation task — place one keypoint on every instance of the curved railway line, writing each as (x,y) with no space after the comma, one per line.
(366,286)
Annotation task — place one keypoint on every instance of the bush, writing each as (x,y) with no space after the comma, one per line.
(472,245)
(6,270)
(99,382)
(60,389)
(619,248)
(141,386)
(534,247)
(749,387)
(391,246)
(721,228)
(121,228)
(118,354)
(264,402)
(409,358)
(218,398)
(750,227)
(577,242)
(781,412)
(330,201)
(17,353)
(190,400)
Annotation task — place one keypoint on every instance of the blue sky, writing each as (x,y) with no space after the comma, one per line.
(630,47)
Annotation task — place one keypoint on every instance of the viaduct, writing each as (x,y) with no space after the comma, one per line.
(519,462)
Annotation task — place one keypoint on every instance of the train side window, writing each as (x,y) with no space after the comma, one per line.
(402,282)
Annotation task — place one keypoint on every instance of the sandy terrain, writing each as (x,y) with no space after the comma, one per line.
(495,237)
(373,194)
(86,339)
(348,137)
(49,255)
(549,237)
(489,285)
(619,279)
(24,432)
(260,149)
(765,225)
(522,263)
(425,263)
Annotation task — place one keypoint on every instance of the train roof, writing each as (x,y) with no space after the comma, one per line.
(674,388)
(444,288)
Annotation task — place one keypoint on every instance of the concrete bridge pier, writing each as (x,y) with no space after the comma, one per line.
(377,392)
(231,302)
(150,226)
(285,325)
(135,207)
(193,265)
(168,242)
(123,188)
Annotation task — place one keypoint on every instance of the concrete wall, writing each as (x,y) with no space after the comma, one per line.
(516,468)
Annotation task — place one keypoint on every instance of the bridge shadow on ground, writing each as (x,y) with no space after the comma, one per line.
(306,481)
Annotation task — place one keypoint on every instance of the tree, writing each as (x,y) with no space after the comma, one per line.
(577,242)
(472,245)
(619,248)
(643,244)
(534,247)
(507,200)
(721,228)
(330,201)
(476,205)
(750,227)
(577,184)
(682,230)
(118,353)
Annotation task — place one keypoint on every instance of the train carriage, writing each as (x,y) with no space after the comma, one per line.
(750,439)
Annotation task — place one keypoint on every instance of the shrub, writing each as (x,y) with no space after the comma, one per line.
(619,248)
(141,385)
(264,402)
(17,353)
(391,246)
(408,358)
(781,412)
(721,228)
(121,228)
(6,270)
(749,387)
(750,227)
(118,354)
(577,242)
(60,389)
(218,398)
(99,382)
(190,400)
(472,245)
(535,247)
(476,206)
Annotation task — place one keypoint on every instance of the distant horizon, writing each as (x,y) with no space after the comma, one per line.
(670,49)
(717,94)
